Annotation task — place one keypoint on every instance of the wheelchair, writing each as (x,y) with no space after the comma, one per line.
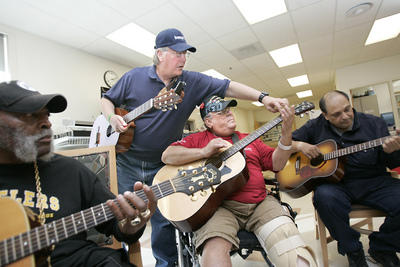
(248,242)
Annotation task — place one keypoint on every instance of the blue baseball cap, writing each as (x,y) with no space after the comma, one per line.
(173,39)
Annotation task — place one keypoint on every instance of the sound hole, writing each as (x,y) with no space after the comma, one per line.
(317,160)
(109,130)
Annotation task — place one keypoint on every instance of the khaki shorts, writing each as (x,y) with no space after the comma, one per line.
(233,216)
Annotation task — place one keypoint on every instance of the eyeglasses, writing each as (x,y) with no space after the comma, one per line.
(179,54)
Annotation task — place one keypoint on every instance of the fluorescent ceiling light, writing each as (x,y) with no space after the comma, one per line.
(257,10)
(299,80)
(303,94)
(286,56)
(215,74)
(134,37)
(258,104)
(384,29)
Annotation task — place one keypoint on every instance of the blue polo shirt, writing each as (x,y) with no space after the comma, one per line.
(156,130)
(364,164)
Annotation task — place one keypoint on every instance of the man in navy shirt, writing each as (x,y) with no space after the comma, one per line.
(365,178)
(156,130)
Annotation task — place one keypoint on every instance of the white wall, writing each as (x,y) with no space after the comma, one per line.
(50,67)
(369,73)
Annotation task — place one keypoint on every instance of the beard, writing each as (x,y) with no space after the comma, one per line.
(24,146)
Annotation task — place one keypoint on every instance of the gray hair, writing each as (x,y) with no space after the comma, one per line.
(156,60)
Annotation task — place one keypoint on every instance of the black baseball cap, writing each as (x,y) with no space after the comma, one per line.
(173,39)
(214,104)
(17,96)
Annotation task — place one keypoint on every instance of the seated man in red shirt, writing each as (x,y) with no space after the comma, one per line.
(250,208)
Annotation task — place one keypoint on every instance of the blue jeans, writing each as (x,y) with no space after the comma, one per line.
(163,243)
(333,202)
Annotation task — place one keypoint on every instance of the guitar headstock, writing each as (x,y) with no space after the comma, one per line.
(193,180)
(170,98)
(303,107)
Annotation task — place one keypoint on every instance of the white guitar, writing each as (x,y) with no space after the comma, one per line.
(103,134)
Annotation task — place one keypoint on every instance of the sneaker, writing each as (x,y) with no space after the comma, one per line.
(386,258)
(357,258)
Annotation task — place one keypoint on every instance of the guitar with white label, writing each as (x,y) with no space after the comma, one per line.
(103,134)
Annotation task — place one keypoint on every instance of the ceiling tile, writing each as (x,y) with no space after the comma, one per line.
(314,20)
(343,22)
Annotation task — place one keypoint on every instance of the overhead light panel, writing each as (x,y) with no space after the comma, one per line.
(258,10)
(303,94)
(299,80)
(215,74)
(258,104)
(287,55)
(384,29)
(134,37)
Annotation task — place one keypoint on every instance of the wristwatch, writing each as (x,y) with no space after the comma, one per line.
(262,95)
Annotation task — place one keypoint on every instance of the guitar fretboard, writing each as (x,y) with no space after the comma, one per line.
(29,242)
(355,148)
(140,110)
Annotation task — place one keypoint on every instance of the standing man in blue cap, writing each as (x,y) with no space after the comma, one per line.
(156,130)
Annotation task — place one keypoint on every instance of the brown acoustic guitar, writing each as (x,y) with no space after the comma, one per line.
(301,175)
(103,134)
(19,244)
(190,213)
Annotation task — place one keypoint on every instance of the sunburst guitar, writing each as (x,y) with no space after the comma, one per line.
(301,175)
(23,241)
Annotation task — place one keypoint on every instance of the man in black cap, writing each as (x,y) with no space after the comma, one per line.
(55,186)
(156,130)
(250,207)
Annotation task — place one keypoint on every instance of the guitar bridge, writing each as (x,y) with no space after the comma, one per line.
(297,165)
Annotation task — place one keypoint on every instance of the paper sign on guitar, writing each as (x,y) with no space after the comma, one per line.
(103,134)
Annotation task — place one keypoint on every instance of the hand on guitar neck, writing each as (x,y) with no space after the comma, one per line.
(392,143)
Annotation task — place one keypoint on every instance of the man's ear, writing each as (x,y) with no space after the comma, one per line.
(208,123)
(325,116)
(161,55)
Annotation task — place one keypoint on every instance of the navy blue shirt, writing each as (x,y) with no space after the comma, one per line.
(364,164)
(156,130)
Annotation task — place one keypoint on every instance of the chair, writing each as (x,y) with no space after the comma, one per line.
(101,160)
(248,242)
(357,212)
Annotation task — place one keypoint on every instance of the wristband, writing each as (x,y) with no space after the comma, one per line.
(283,147)
(262,95)
(109,117)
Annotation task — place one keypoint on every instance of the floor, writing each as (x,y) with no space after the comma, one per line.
(306,224)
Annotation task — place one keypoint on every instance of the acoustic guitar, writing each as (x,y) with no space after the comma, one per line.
(301,175)
(190,213)
(19,241)
(103,134)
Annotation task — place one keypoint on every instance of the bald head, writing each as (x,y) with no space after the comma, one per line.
(336,108)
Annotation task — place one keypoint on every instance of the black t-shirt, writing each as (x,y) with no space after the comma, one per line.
(69,187)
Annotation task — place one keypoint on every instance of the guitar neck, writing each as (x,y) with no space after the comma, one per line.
(250,138)
(139,111)
(38,238)
(355,148)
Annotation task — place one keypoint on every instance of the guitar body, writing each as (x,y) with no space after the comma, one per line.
(189,213)
(103,134)
(301,175)
(14,222)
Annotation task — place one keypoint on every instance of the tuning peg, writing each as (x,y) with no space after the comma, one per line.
(193,198)
(175,107)
(180,169)
(183,173)
(212,189)
(203,193)
(163,109)
(170,108)
(201,184)
(194,171)
(210,180)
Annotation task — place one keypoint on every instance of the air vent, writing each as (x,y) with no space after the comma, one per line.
(247,51)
